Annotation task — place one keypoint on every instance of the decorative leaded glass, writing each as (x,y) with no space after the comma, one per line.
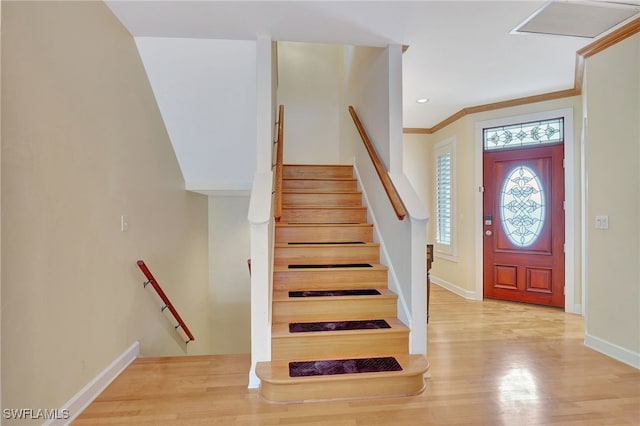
(524,134)
(522,206)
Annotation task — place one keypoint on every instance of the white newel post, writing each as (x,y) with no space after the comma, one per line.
(260,215)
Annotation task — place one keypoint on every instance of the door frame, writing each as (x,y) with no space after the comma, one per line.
(570,200)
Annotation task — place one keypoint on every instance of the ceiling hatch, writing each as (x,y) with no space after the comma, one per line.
(577,19)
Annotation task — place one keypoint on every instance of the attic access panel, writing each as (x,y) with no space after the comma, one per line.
(577,19)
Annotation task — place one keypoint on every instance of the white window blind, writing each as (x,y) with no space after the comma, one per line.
(443,198)
(445,205)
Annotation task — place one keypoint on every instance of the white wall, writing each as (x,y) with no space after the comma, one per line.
(309,87)
(367,85)
(372,84)
(206,92)
(612,154)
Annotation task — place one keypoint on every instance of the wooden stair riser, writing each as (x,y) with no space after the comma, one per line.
(324,233)
(326,254)
(304,309)
(299,199)
(317,171)
(339,345)
(371,387)
(320,185)
(329,278)
(324,215)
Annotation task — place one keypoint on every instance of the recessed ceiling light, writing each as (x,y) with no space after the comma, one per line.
(422,100)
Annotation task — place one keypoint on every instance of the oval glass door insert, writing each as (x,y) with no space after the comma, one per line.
(522,206)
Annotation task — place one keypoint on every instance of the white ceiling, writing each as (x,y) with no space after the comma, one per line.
(461,53)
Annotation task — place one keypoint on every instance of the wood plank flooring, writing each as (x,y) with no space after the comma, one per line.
(492,363)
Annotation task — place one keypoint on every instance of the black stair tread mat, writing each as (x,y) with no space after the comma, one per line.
(305,327)
(322,224)
(343,366)
(333,265)
(328,242)
(323,293)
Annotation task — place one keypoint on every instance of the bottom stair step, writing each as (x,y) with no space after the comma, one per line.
(331,367)
(277,385)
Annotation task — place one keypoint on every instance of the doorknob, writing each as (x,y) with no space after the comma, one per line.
(488,232)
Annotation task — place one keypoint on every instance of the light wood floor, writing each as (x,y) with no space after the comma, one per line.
(492,363)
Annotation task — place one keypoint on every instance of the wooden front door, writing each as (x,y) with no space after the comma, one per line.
(524,225)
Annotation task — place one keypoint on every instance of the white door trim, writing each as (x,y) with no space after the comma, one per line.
(570,198)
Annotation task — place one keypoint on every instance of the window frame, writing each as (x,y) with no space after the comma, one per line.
(444,250)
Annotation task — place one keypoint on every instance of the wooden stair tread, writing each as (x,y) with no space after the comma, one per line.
(325,225)
(283,295)
(277,372)
(317,170)
(374,266)
(323,207)
(311,192)
(309,245)
(329,278)
(320,184)
(317,165)
(321,178)
(281,330)
(323,232)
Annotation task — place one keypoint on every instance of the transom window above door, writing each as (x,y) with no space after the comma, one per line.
(523,134)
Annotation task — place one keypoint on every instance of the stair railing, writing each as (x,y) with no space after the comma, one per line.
(392,193)
(167,303)
(278,175)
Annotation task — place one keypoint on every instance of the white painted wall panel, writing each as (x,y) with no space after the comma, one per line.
(206,92)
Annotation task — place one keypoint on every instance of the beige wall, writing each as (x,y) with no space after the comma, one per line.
(83,143)
(612,158)
(309,87)
(0,207)
(461,275)
(230,282)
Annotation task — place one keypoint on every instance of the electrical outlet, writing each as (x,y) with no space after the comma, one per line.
(124,223)
(602,222)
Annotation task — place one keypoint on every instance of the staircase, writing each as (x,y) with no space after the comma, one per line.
(335,331)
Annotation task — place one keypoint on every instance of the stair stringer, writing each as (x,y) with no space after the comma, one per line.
(417,335)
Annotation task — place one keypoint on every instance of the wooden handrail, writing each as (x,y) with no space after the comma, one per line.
(278,191)
(394,197)
(167,303)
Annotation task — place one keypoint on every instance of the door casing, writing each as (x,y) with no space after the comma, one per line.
(570,205)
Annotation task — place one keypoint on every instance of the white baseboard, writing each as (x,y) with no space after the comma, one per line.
(82,399)
(612,350)
(254,380)
(472,295)
(467,294)
(576,308)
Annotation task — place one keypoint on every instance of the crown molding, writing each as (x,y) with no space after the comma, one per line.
(614,37)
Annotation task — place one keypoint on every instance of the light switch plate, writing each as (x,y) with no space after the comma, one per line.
(602,222)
